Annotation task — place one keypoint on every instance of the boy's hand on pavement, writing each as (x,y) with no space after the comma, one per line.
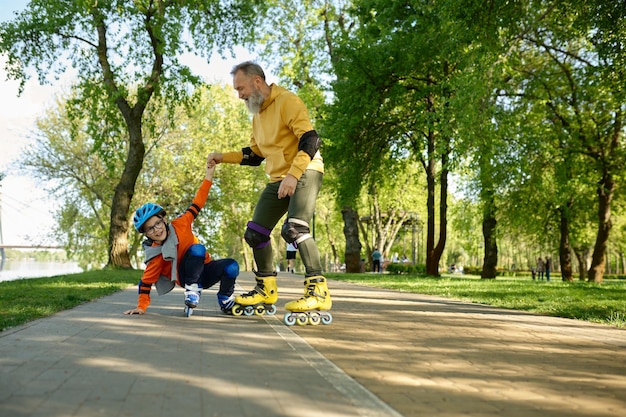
(135,311)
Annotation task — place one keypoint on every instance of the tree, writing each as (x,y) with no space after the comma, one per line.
(302,52)
(392,102)
(79,179)
(172,171)
(568,67)
(353,244)
(125,54)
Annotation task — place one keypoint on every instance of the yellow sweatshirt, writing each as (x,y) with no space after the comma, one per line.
(276,132)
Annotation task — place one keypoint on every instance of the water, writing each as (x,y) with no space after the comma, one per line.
(31,269)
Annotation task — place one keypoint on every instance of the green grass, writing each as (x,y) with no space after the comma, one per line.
(28,299)
(600,303)
(24,300)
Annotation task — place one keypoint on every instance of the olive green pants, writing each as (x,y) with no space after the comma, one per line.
(270,209)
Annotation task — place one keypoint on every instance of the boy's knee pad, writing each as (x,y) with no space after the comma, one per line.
(295,230)
(231,270)
(197,250)
(257,236)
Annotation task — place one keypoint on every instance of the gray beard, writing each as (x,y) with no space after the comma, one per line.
(254,102)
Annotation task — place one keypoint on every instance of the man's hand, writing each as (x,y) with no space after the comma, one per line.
(135,311)
(287,186)
(215,157)
(210,168)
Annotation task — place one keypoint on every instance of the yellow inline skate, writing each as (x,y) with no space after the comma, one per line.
(261,300)
(312,308)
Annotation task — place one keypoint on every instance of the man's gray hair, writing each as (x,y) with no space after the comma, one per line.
(249,68)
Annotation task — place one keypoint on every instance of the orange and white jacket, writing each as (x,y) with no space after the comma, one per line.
(158,266)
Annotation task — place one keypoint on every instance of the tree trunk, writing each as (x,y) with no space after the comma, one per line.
(582,256)
(565,249)
(331,241)
(248,257)
(490,261)
(432,262)
(386,225)
(124,190)
(606,188)
(353,244)
(443,209)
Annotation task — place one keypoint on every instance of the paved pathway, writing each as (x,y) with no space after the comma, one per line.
(386,354)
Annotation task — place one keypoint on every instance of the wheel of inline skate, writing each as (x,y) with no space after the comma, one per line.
(327,318)
(302,319)
(237,310)
(289,319)
(259,310)
(188,311)
(248,310)
(270,310)
(315,319)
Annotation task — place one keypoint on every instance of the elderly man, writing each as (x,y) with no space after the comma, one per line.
(283,137)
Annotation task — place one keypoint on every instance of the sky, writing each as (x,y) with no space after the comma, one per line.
(26,209)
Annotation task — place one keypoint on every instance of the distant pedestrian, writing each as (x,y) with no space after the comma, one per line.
(291,258)
(541,268)
(534,272)
(376,259)
(548,268)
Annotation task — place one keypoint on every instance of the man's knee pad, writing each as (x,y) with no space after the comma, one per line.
(295,231)
(231,270)
(197,250)
(257,236)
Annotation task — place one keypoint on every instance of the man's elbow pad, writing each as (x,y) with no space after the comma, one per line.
(250,158)
(310,143)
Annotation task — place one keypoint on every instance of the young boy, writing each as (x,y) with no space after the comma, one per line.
(173,255)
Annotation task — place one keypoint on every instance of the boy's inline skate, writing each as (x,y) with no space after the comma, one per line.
(192,298)
(260,300)
(312,308)
(226,303)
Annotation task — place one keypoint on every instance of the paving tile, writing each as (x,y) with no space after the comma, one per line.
(386,354)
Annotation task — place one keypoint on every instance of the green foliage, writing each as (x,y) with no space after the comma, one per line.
(560,113)
(46,296)
(173,170)
(304,64)
(410,269)
(395,103)
(523,102)
(61,157)
(51,35)
(126,55)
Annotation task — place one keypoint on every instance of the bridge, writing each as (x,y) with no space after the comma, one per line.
(33,247)
(30,247)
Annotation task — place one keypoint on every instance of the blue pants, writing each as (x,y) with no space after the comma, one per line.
(193,270)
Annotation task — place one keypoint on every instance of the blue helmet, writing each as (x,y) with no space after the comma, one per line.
(144,212)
